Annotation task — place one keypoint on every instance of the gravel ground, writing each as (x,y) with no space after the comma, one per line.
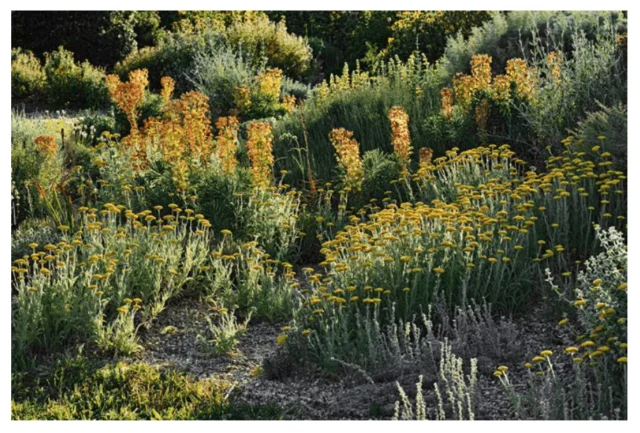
(313,395)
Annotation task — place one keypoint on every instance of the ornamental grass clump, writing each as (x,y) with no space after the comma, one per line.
(82,288)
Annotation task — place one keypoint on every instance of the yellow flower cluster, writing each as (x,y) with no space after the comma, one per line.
(348,155)
(242,98)
(400,137)
(269,83)
(259,150)
(289,103)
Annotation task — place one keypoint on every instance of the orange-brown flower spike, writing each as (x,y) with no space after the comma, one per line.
(400,137)
(227,142)
(519,73)
(129,96)
(259,150)
(481,71)
(426,155)
(348,156)
(168,86)
(447,103)
(46,144)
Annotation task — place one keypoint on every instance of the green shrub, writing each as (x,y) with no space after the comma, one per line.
(70,84)
(246,277)
(175,55)
(40,231)
(37,175)
(218,72)
(606,128)
(359,103)
(59,302)
(427,31)
(594,74)
(380,170)
(217,198)
(506,35)
(27,76)
(262,37)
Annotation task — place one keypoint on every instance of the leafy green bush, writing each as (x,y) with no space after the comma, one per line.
(27,76)
(380,172)
(178,53)
(427,31)
(70,84)
(37,173)
(217,198)
(40,231)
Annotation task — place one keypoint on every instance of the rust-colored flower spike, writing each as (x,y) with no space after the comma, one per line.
(463,87)
(288,103)
(227,142)
(426,156)
(129,96)
(168,86)
(501,88)
(259,150)
(400,137)
(46,144)
(447,102)
(481,71)
(518,72)
(348,156)
(483,110)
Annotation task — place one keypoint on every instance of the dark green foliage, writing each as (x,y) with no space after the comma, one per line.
(606,128)
(218,204)
(70,84)
(27,75)
(101,37)
(380,169)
